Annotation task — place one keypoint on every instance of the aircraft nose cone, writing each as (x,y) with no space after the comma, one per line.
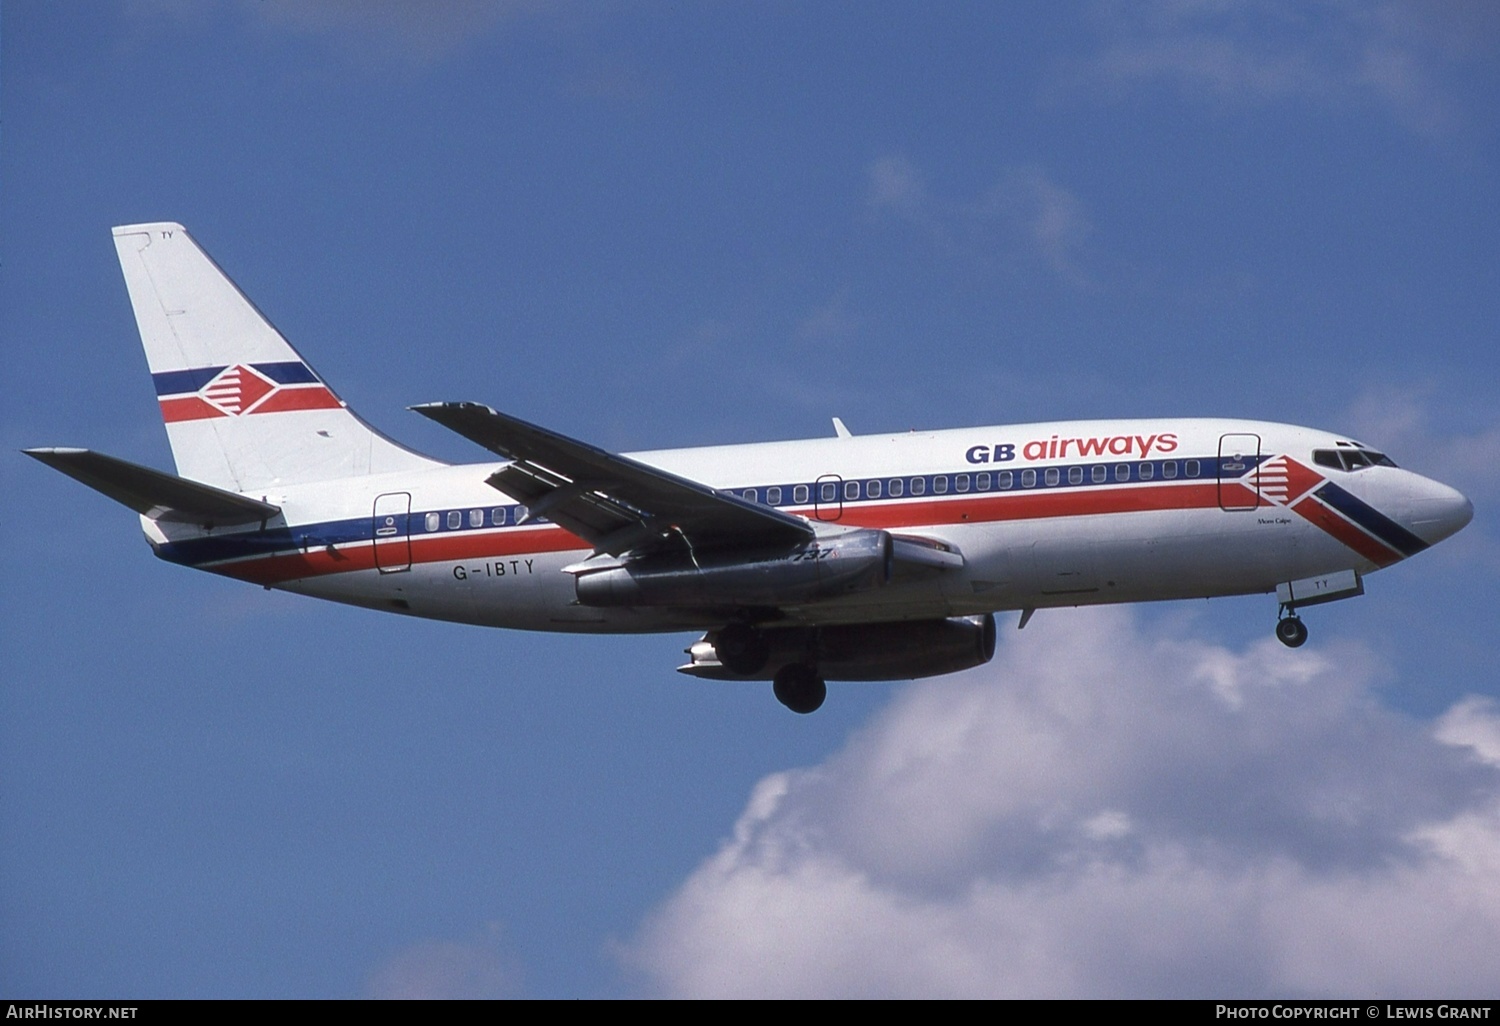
(1439,511)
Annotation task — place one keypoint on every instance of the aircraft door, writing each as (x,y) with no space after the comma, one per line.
(390,534)
(828,497)
(1239,488)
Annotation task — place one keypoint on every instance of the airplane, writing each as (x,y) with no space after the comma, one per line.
(851,557)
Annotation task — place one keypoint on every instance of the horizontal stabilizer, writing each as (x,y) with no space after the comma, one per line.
(613,502)
(152,493)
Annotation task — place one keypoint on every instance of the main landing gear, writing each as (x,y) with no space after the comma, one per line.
(1291,631)
(799,688)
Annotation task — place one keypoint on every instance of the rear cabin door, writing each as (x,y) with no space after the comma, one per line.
(390,537)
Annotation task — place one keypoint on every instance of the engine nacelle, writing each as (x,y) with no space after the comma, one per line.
(821,569)
(865,651)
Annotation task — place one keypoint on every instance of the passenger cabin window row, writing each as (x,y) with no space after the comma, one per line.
(988,481)
(937,484)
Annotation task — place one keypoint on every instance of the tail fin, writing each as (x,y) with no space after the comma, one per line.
(243,410)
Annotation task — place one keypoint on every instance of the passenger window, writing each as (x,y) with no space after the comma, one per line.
(1028,478)
(895,489)
(872,489)
(961,483)
(982,483)
(773,496)
(851,490)
(1075,475)
(476,518)
(1053,475)
(455,520)
(1169,469)
(434,521)
(749,495)
(940,485)
(1191,468)
(1122,471)
(1147,471)
(497,516)
(1004,480)
(521,512)
(799,493)
(829,492)
(1099,474)
(918,485)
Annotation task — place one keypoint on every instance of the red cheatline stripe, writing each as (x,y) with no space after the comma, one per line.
(188,408)
(360,555)
(1033,505)
(1321,516)
(510,542)
(318,398)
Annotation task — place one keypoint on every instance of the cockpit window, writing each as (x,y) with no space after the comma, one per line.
(1351,459)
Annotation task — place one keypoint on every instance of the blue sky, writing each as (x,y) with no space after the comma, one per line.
(653,225)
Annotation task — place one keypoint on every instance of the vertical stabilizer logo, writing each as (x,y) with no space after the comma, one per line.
(237,389)
(241,390)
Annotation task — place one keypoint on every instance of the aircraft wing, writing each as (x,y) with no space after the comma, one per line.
(154,494)
(614,503)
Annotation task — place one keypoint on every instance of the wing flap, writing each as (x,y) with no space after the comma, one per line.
(611,501)
(153,493)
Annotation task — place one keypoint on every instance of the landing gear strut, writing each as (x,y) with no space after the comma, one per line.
(1291,631)
(799,688)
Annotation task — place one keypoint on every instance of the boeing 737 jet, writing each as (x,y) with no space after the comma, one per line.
(852,557)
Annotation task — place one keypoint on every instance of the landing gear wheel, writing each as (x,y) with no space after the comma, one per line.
(742,649)
(799,688)
(1291,631)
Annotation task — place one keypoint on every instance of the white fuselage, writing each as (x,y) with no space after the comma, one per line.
(1056,514)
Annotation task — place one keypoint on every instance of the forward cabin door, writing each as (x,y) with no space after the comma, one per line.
(1239,488)
(391,540)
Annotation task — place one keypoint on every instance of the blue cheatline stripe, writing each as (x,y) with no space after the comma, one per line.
(1371,519)
(241,545)
(294,372)
(180,382)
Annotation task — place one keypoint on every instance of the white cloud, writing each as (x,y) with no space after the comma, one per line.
(1335,54)
(397,30)
(1104,813)
(1025,212)
(478,968)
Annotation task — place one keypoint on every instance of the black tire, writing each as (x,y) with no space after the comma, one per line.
(742,649)
(1291,632)
(799,688)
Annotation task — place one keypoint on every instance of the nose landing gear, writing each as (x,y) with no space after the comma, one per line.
(1291,631)
(1311,591)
